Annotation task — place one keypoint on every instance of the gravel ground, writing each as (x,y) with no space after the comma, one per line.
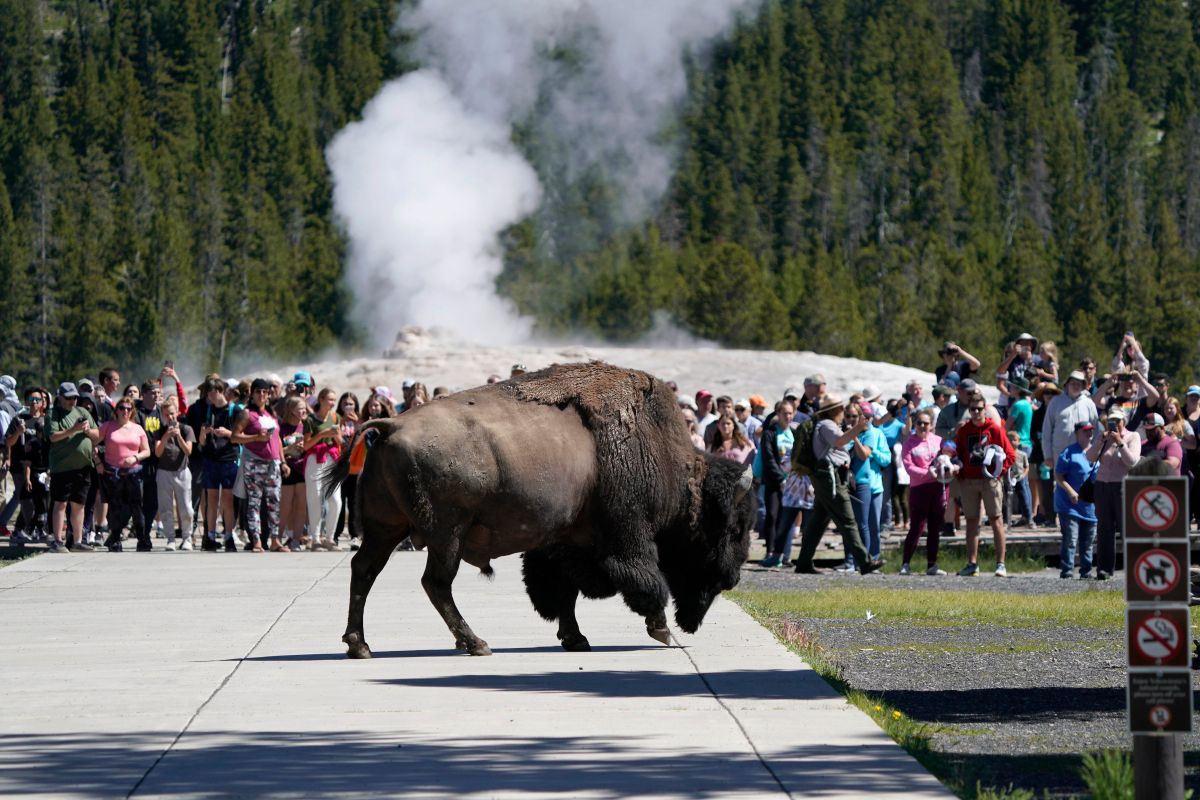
(1006,705)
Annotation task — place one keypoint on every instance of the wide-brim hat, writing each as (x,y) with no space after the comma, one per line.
(871,393)
(1078,376)
(1021,385)
(829,404)
(1046,388)
(1027,337)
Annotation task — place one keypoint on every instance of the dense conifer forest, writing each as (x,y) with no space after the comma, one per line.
(856,177)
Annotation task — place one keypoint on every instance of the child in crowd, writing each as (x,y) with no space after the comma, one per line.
(1016,484)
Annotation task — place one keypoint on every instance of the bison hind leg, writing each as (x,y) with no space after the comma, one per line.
(552,589)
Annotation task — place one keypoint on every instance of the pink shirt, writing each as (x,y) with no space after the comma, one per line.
(917,455)
(258,423)
(122,441)
(1115,462)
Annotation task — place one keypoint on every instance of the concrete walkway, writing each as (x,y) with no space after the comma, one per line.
(222,675)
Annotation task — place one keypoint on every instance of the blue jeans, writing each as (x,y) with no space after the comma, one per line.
(867,508)
(781,544)
(885,511)
(1074,528)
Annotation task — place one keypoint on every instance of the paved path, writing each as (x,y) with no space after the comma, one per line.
(222,675)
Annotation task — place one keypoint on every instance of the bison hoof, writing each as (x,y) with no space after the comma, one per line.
(576,644)
(356,647)
(480,649)
(660,634)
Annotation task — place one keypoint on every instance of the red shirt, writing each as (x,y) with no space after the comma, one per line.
(971,441)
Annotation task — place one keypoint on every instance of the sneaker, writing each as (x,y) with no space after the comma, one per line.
(354,543)
(186,544)
(56,547)
(1001,572)
(331,544)
(294,546)
(933,570)
(1083,576)
(874,565)
(969,571)
(1101,575)
(18,538)
(82,547)
(947,529)
(904,569)
(170,545)
(770,562)
(230,544)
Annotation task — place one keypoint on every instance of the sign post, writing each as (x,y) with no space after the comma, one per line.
(1157,631)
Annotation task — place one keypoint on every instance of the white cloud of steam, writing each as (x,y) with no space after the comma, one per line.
(428,178)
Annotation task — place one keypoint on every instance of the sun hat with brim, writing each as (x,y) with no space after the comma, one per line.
(829,404)
(871,393)
(1078,376)
(1021,385)
(1027,337)
(1046,388)
(67,389)
(686,402)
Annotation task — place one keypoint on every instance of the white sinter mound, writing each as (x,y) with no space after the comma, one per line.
(436,358)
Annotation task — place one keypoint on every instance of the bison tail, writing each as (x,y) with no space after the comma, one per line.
(486,571)
(351,460)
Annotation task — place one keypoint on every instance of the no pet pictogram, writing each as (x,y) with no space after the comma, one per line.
(1155,508)
(1158,638)
(1157,572)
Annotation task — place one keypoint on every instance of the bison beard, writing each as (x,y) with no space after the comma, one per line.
(586,468)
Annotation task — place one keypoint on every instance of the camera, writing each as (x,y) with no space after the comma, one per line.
(906,397)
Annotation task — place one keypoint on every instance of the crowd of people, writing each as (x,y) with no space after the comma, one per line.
(1051,451)
(96,462)
(235,466)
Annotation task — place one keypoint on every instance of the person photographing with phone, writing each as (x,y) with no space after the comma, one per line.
(173,444)
(219,465)
(126,446)
(1115,452)
(257,430)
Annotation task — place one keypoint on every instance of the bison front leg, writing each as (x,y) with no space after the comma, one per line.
(440,570)
(368,562)
(645,591)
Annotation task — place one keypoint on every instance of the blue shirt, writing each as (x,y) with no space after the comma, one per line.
(871,470)
(892,431)
(1075,469)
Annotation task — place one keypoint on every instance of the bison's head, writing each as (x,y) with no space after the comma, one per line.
(708,557)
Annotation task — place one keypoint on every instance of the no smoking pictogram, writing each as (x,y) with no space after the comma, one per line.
(1158,637)
(1157,571)
(1155,508)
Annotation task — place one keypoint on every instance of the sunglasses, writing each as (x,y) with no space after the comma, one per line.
(974,409)
(126,409)
(40,399)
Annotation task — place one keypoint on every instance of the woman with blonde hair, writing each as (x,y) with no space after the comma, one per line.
(322,444)
(292,497)
(172,447)
(1177,423)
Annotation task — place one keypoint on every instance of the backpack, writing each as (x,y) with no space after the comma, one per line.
(804,458)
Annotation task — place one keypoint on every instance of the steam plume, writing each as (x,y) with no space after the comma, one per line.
(425,182)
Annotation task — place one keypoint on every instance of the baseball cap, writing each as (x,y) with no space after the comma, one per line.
(968,385)
(1193,389)
(791,392)
(686,402)
(1115,413)
(743,404)
(302,379)
(1154,421)
(942,391)
(951,379)
(67,389)
(816,379)
(85,385)
(408,383)
(703,393)
(8,382)
(757,401)
(1084,426)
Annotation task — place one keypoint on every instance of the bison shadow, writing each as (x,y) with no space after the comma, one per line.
(445,652)
(238,763)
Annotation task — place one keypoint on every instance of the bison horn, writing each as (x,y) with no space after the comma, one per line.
(745,484)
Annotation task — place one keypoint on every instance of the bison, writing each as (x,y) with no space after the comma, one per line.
(587,469)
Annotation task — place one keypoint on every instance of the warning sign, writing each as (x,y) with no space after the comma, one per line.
(1158,572)
(1158,637)
(1156,508)
(1160,702)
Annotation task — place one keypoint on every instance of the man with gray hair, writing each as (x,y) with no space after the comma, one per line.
(1064,412)
(814,393)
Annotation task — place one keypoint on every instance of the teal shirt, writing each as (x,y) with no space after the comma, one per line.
(1020,415)
(871,470)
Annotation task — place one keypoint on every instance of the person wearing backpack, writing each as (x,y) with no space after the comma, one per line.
(830,476)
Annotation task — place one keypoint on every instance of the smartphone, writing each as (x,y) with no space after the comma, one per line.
(168,364)
(1112,426)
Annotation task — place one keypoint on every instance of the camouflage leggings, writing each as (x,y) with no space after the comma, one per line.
(262,496)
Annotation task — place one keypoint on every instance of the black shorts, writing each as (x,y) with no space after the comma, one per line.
(70,486)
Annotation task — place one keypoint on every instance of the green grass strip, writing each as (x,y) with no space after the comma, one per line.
(1099,609)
